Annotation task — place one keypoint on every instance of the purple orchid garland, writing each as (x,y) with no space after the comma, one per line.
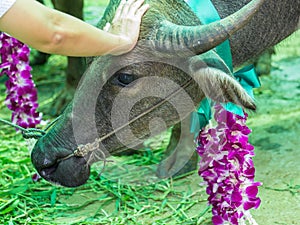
(21,92)
(227,168)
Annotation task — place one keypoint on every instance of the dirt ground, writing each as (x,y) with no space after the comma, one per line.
(276,137)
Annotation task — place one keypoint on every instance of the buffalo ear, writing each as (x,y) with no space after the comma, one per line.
(218,83)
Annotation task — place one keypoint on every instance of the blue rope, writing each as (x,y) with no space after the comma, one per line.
(30,132)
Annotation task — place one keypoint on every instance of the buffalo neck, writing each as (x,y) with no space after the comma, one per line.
(275,21)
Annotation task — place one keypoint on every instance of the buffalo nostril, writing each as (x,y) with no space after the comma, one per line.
(47,163)
(48,170)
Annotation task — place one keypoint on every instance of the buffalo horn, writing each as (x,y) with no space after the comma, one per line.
(179,39)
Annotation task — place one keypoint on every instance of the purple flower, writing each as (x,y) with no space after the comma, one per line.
(20,89)
(36,177)
(227,168)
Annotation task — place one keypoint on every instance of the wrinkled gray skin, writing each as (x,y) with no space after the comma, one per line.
(99,108)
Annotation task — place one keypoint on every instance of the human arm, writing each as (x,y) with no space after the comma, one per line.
(52,31)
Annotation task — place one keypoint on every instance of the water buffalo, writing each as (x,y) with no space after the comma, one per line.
(122,100)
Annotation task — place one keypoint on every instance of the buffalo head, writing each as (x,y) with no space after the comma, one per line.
(122,100)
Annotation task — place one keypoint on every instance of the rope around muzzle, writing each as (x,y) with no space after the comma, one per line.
(80,151)
(93,149)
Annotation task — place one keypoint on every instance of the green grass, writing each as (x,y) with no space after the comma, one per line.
(121,196)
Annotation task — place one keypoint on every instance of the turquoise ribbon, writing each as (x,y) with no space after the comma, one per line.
(200,118)
(207,13)
(248,79)
(247,76)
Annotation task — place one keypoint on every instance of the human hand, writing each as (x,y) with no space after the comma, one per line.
(126,24)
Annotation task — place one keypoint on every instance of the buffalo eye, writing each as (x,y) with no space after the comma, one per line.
(124,79)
